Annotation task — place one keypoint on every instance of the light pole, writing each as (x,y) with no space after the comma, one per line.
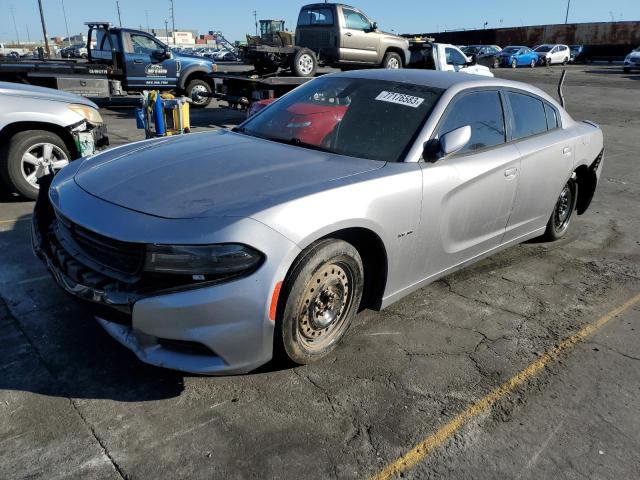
(146,14)
(166,29)
(173,24)
(255,20)
(119,17)
(66,25)
(566,17)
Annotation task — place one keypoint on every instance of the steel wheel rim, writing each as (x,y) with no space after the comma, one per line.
(563,209)
(324,307)
(393,64)
(305,64)
(196,92)
(39,156)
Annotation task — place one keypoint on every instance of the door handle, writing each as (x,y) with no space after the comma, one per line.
(510,172)
(348,34)
(138,61)
(566,151)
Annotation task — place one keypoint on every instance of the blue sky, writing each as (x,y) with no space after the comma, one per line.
(235,18)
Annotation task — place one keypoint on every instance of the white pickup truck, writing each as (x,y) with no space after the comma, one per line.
(444,57)
(9,51)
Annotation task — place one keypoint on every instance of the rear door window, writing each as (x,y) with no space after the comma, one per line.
(529,117)
(483,112)
(552,117)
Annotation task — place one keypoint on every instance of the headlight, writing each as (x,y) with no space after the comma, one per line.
(223,259)
(90,114)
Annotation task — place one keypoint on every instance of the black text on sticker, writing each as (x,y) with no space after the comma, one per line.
(400,99)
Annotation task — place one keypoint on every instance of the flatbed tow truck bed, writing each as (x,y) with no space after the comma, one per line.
(240,90)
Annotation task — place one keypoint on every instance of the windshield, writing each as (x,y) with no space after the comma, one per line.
(510,50)
(544,48)
(362,118)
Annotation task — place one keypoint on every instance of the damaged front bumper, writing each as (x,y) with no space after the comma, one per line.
(215,329)
(89,138)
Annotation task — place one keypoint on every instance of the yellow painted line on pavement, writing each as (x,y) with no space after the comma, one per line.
(15,220)
(426,446)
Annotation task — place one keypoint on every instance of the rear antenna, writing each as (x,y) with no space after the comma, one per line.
(560,95)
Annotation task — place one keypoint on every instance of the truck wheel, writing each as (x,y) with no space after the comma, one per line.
(196,87)
(318,300)
(304,63)
(25,154)
(392,61)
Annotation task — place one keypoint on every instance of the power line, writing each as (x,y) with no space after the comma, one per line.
(15,25)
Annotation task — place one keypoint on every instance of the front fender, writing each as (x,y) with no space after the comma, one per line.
(201,70)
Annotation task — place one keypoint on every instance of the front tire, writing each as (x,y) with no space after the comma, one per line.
(496,63)
(319,299)
(392,61)
(199,86)
(563,210)
(532,64)
(514,63)
(24,156)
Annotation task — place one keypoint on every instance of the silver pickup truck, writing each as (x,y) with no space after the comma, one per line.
(329,34)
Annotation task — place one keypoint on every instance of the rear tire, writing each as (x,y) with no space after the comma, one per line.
(196,86)
(563,210)
(304,63)
(496,63)
(514,63)
(392,61)
(20,174)
(319,299)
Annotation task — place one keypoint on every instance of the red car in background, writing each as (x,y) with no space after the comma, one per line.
(311,122)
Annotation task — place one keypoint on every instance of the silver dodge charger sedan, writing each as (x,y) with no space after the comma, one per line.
(214,252)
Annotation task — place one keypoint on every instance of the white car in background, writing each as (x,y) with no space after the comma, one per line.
(548,54)
(632,61)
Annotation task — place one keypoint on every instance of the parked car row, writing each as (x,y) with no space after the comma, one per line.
(220,55)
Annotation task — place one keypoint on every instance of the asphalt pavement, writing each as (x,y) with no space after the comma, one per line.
(479,371)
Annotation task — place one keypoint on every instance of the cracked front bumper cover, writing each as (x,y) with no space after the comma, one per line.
(214,329)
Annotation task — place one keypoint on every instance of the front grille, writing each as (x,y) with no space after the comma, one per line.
(185,346)
(122,257)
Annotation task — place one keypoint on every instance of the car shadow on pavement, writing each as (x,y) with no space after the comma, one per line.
(52,346)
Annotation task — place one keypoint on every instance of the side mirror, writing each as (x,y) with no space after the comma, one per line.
(455,140)
(374,26)
(474,60)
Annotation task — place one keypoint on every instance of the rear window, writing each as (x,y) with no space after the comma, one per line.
(529,117)
(315,16)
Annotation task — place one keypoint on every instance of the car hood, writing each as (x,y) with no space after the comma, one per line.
(41,93)
(211,174)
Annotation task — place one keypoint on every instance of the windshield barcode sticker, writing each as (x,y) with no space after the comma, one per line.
(400,99)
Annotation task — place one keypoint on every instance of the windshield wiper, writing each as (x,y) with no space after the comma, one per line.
(299,143)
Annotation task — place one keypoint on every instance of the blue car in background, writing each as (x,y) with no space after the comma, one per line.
(514,56)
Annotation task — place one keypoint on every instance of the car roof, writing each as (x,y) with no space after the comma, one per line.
(443,80)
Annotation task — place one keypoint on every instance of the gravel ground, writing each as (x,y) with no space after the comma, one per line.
(74,403)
